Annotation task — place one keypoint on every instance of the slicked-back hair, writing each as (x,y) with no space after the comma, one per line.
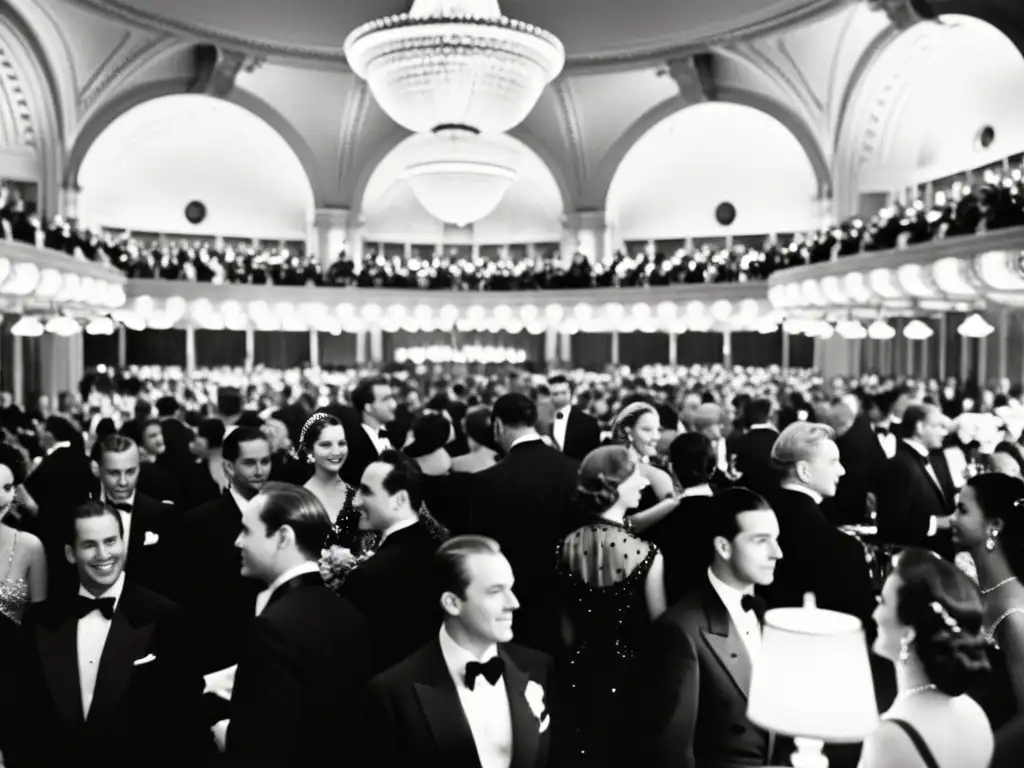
(797,443)
(362,395)
(404,475)
(233,442)
(692,458)
(299,509)
(450,572)
(85,510)
(515,410)
(726,507)
(114,444)
(914,415)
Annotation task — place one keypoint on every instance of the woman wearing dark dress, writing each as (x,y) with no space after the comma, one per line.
(612,587)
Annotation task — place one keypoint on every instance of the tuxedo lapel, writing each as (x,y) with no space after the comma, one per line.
(442,708)
(525,727)
(724,641)
(302,580)
(126,642)
(58,655)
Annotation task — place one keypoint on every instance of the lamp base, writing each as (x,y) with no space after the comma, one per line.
(809,754)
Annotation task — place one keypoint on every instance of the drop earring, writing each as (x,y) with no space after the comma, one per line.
(990,542)
(309,459)
(904,650)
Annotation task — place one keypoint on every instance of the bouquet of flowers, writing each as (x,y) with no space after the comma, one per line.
(337,562)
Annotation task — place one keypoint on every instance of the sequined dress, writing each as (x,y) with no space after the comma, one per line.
(14,594)
(602,571)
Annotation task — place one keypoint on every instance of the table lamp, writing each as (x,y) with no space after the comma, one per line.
(812,681)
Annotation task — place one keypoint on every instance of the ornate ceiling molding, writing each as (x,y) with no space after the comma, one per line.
(573,131)
(21,127)
(352,122)
(217,69)
(124,60)
(801,13)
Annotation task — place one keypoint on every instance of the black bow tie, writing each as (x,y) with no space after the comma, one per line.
(491,670)
(383,433)
(86,605)
(123,507)
(756,604)
(879,430)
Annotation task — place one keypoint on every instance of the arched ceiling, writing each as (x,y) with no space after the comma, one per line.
(592,30)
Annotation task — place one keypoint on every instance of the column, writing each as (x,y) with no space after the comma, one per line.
(825,211)
(565,349)
(911,354)
(122,347)
(18,369)
(570,228)
(926,363)
(551,346)
(376,345)
(61,363)
(68,202)
(531,252)
(314,348)
(327,240)
(727,349)
(615,355)
(785,349)
(360,348)
(592,236)
(407,252)
(965,358)
(673,349)
(942,341)
(982,360)
(250,349)
(475,251)
(1003,340)
(354,244)
(190,350)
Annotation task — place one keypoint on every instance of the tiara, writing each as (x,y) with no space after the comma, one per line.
(316,417)
(949,621)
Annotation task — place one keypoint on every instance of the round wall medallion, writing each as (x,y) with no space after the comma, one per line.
(985,137)
(195,212)
(725,214)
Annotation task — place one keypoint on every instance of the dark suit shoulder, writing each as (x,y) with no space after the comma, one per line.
(410,670)
(201,515)
(526,658)
(147,605)
(311,603)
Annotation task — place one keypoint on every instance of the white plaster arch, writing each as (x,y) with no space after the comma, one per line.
(673,178)
(531,211)
(149,163)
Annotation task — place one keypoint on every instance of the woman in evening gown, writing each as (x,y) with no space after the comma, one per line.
(22,558)
(611,587)
(637,427)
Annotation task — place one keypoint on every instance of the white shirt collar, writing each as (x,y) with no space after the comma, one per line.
(698,490)
(240,500)
(456,657)
(764,425)
(920,449)
(399,526)
(731,597)
(113,591)
(130,501)
(57,446)
(565,411)
(291,573)
(533,437)
(818,498)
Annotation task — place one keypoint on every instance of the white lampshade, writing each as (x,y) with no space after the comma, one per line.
(100,326)
(851,329)
(63,326)
(881,331)
(813,678)
(27,326)
(975,327)
(917,330)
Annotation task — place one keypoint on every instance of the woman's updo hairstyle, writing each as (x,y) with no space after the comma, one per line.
(12,458)
(944,608)
(601,473)
(1001,497)
(479,426)
(627,419)
(313,428)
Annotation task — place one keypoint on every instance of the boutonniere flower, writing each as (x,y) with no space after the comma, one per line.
(534,694)
(337,562)
(152,537)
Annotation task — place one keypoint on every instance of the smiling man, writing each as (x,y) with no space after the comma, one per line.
(114,658)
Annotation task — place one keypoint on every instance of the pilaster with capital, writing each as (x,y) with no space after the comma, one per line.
(329,234)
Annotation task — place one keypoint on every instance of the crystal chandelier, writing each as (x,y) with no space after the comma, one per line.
(460,175)
(455,62)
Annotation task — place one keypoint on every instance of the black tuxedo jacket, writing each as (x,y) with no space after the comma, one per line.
(753,451)
(864,460)
(525,503)
(691,696)
(412,714)
(582,435)
(393,591)
(908,498)
(818,558)
(146,703)
(217,599)
(305,662)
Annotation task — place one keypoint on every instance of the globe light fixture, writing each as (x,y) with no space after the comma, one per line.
(460,175)
(455,62)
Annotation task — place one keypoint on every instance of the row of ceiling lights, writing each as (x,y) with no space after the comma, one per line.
(973,327)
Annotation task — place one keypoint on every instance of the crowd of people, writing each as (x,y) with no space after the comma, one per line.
(995,203)
(429,567)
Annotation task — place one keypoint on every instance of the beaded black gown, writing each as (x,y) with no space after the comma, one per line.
(602,570)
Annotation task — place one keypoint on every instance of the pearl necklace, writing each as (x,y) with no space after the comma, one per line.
(1002,583)
(916,690)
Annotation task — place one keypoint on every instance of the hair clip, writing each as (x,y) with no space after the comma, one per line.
(310,422)
(1018,503)
(949,621)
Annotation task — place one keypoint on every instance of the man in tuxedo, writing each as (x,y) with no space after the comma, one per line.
(148,524)
(575,432)
(219,600)
(916,492)
(373,409)
(107,671)
(819,558)
(692,692)
(389,589)
(863,461)
(306,658)
(524,503)
(468,698)
(753,449)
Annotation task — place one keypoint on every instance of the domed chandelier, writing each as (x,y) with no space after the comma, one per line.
(459,73)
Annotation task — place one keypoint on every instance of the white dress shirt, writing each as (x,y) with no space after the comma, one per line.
(240,500)
(486,707)
(920,450)
(525,439)
(126,517)
(264,597)
(93,629)
(381,444)
(746,622)
(560,425)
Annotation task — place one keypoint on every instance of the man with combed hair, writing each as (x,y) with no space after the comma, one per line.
(819,558)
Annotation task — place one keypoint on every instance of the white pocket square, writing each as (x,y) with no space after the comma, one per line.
(144,660)
(151,538)
(545,723)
